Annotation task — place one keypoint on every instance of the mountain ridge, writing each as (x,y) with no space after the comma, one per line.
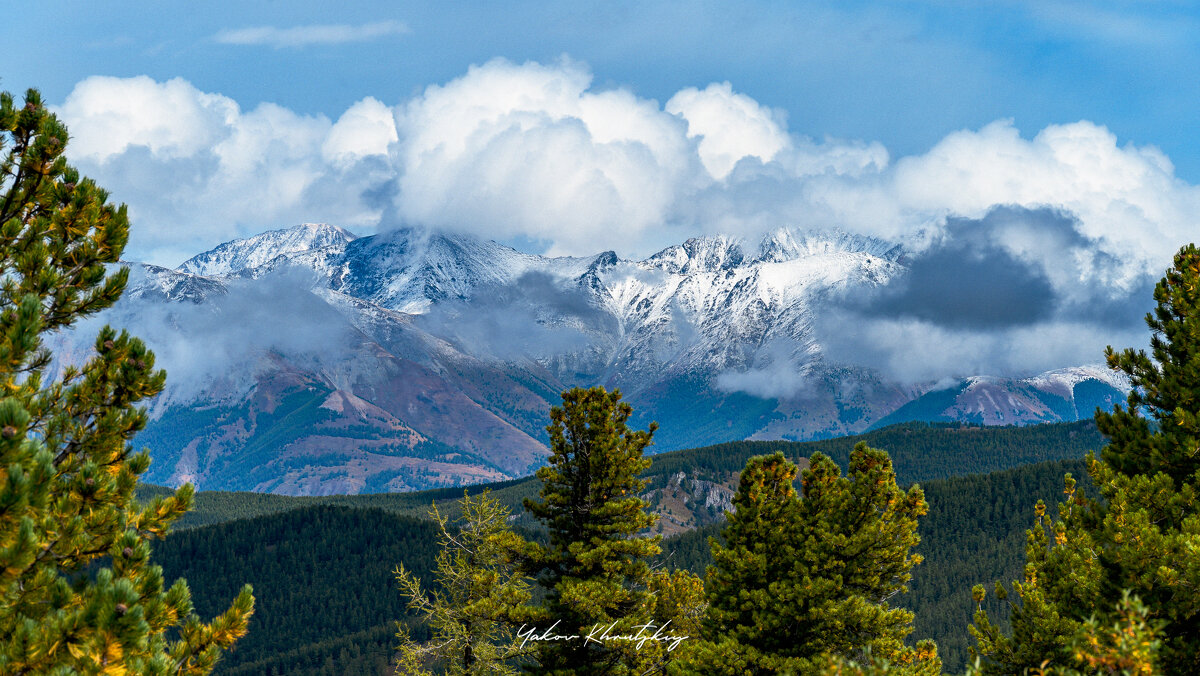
(458,346)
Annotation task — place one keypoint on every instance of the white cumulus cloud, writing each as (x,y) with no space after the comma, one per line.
(196,169)
(528,150)
(731,126)
(1127,197)
(367,128)
(108,115)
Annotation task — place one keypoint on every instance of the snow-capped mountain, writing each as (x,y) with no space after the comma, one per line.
(1063,394)
(702,304)
(256,251)
(309,360)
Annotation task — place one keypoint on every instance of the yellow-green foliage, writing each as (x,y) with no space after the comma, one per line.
(480,593)
(67,473)
(803,581)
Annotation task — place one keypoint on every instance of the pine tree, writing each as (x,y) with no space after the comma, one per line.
(67,472)
(802,582)
(1140,537)
(595,567)
(674,610)
(1128,646)
(473,613)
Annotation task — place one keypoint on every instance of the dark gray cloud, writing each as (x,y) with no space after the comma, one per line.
(1115,308)
(1013,293)
(968,280)
(1014,267)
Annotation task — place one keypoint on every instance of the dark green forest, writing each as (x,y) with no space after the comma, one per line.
(919,451)
(322,567)
(322,576)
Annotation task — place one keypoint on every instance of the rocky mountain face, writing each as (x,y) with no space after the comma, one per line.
(252,252)
(309,360)
(686,502)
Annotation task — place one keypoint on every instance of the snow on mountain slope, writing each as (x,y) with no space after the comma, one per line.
(1065,394)
(1066,379)
(153,283)
(411,270)
(252,252)
(703,304)
(411,359)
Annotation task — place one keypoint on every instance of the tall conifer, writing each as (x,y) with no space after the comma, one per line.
(67,472)
(805,580)
(472,614)
(595,568)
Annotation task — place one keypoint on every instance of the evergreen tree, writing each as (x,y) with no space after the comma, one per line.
(67,473)
(481,593)
(675,609)
(1140,536)
(1128,646)
(595,567)
(804,581)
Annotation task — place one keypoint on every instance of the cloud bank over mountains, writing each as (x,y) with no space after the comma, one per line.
(1016,245)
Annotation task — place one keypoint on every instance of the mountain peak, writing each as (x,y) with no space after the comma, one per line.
(251,252)
(701,254)
(785,244)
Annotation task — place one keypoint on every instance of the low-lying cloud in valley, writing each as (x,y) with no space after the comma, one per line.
(1023,253)
(217,338)
(535,317)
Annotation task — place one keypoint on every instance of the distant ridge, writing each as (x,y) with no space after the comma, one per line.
(1062,394)
(414,359)
(920,452)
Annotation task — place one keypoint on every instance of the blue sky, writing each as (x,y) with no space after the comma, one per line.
(902,73)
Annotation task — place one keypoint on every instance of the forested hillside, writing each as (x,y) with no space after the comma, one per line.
(322,572)
(975,533)
(322,580)
(920,452)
